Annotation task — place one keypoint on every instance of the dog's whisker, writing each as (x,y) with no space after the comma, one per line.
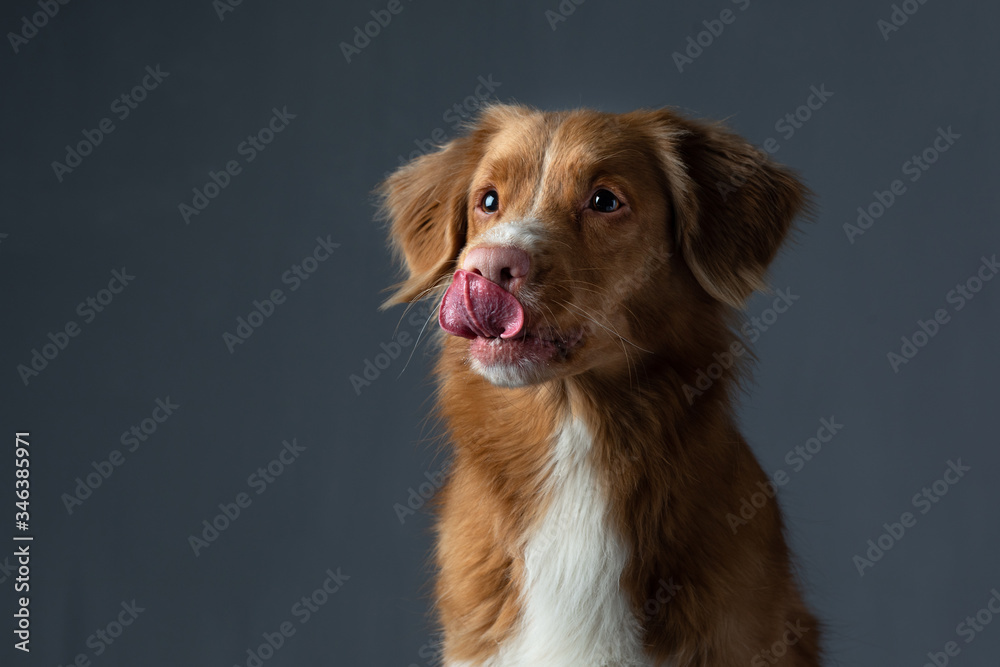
(577,285)
(416,343)
(610,330)
(621,341)
(439,285)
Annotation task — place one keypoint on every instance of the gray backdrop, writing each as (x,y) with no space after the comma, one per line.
(117,576)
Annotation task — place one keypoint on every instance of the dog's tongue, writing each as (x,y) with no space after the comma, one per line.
(474,306)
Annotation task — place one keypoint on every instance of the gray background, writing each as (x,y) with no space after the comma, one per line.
(334,506)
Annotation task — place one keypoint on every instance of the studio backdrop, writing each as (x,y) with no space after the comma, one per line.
(217,447)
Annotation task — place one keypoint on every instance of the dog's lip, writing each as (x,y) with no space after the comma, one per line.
(566,340)
(556,341)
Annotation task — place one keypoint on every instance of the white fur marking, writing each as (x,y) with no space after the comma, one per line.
(539,197)
(526,234)
(505,375)
(574,612)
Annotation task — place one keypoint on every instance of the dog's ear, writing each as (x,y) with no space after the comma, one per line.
(425,204)
(733,205)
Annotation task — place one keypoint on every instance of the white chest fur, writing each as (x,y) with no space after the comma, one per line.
(574,612)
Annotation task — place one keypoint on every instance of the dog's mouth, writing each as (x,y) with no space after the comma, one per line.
(494,320)
(525,349)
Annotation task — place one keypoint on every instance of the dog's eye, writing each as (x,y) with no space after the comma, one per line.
(491,202)
(604,201)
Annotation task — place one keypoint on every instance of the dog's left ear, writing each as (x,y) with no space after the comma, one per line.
(425,204)
(734,206)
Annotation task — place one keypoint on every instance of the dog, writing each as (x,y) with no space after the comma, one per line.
(590,267)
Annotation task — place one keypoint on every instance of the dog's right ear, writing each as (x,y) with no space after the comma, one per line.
(425,203)
(734,206)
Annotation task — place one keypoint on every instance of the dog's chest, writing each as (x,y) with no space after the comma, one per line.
(574,611)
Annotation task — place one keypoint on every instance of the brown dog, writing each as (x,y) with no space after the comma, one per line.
(593,264)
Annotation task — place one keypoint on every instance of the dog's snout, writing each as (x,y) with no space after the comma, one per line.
(504,265)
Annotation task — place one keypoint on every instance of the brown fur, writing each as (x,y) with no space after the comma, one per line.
(654,286)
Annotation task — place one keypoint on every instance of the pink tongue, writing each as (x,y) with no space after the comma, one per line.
(474,306)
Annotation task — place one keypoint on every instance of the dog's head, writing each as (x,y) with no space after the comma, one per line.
(574,241)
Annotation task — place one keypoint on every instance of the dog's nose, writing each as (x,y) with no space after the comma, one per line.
(504,265)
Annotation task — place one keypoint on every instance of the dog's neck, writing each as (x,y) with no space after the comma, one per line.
(572,480)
